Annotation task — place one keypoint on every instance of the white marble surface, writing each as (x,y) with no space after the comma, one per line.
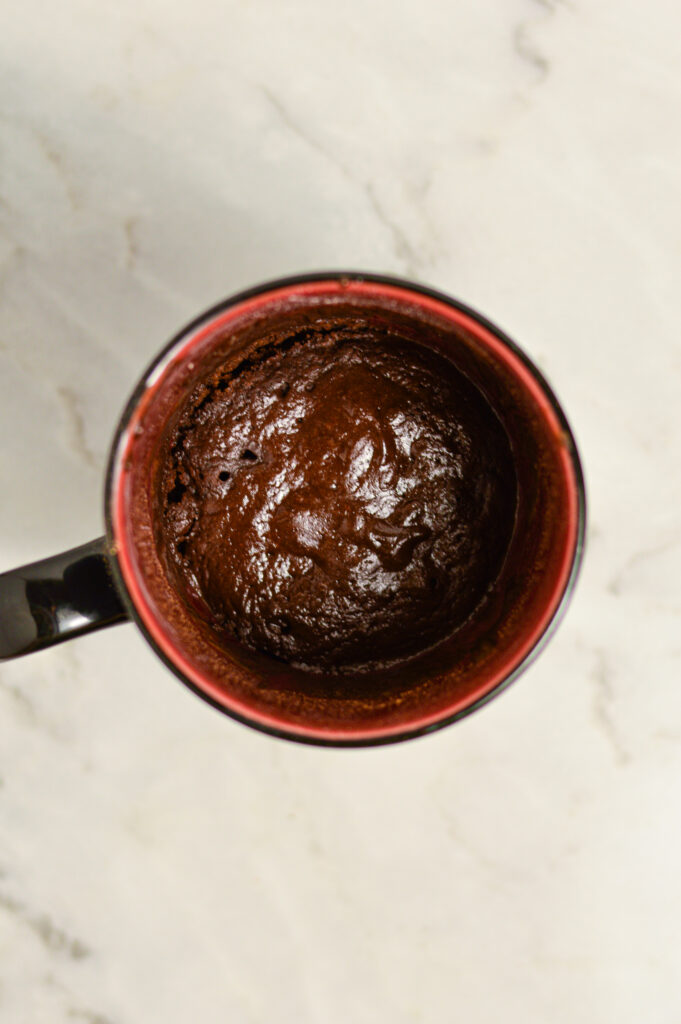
(161,863)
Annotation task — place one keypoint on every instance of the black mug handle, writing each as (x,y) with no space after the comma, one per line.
(61,597)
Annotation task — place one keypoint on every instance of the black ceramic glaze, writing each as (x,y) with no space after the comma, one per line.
(61,597)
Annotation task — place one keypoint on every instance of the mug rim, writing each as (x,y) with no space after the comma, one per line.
(154,372)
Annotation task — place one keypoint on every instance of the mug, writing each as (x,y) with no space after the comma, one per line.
(120,576)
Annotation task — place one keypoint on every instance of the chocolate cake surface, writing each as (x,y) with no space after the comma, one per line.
(341,500)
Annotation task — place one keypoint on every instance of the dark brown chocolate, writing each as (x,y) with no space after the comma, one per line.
(341,500)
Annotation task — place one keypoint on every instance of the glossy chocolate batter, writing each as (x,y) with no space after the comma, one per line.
(342,501)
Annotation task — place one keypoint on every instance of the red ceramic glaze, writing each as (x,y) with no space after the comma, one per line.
(440,686)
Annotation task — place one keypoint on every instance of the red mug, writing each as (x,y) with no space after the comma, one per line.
(121,576)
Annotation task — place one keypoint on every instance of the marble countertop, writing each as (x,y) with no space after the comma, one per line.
(159,862)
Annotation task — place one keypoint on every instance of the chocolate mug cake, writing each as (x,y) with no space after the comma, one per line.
(342,508)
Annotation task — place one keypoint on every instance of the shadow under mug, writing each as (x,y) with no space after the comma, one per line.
(120,576)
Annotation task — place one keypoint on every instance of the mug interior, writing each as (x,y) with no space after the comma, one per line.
(437,686)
